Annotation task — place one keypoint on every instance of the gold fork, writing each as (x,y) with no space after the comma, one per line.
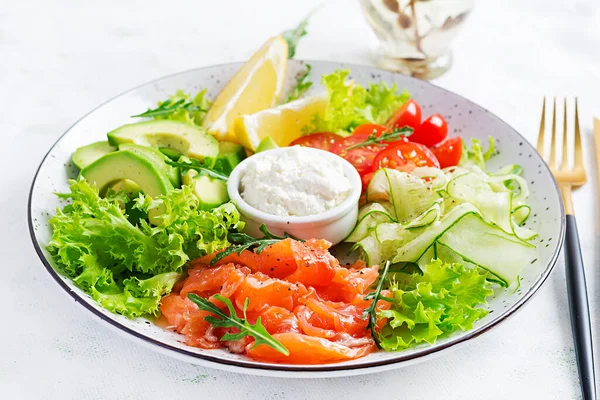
(570,178)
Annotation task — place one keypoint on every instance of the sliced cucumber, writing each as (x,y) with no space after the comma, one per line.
(474,239)
(368,218)
(510,169)
(412,251)
(494,206)
(409,194)
(520,214)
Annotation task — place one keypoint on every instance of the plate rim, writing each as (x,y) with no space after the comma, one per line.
(245,366)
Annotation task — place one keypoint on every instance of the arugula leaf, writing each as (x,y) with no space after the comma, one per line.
(180,106)
(293,36)
(186,164)
(385,138)
(302,85)
(446,298)
(371,311)
(350,104)
(127,267)
(382,101)
(241,241)
(222,320)
(475,155)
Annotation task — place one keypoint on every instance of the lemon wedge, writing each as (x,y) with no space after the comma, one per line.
(256,86)
(283,123)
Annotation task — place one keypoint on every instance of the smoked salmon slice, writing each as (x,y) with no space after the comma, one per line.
(306,349)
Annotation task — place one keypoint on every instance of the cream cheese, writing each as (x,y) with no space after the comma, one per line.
(295,182)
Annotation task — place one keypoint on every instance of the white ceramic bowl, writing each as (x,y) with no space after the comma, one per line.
(333,225)
(464,118)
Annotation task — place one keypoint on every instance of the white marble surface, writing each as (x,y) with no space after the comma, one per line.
(59,59)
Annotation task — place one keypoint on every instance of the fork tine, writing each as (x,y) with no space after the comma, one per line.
(553,139)
(540,143)
(578,147)
(565,156)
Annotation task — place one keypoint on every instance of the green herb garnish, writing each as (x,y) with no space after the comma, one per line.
(169,107)
(385,138)
(222,320)
(371,311)
(302,85)
(241,241)
(202,169)
(292,36)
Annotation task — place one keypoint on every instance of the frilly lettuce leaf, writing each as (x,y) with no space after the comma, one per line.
(350,104)
(445,298)
(193,109)
(127,267)
(475,155)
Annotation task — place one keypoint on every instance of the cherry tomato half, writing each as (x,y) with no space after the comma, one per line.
(431,132)
(366,179)
(448,152)
(405,156)
(370,129)
(407,115)
(361,157)
(321,140)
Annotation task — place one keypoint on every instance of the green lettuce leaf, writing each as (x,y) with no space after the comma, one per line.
(445,298)
(181,107)
(127,267)
(350,104)
(475,155)
(193,109)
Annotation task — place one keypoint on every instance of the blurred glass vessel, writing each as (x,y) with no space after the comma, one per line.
(414,35)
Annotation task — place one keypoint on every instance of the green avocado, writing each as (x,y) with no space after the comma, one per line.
(158,158)
(230,155)
(127,186)
(266,144)
(172,154)
(114,167)
(210,191)
(85,155)
(186,139)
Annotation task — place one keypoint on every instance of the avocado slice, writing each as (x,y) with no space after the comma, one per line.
(85,155)
(210,191)
(127,186)
(172,154)
(266,144)
(187,139)
(230,155)
(125,164)
(157,158)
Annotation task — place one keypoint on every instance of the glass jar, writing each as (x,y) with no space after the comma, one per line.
(414,35)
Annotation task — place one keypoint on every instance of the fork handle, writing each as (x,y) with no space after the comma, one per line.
(579,310)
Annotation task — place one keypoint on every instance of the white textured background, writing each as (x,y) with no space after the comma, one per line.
(61,58)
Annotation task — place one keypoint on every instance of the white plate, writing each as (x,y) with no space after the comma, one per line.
(464,118)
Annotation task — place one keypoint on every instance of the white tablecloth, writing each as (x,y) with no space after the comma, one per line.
(59,59)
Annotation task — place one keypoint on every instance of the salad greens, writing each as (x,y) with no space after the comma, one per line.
(302,85)
(222,320)
(181,107)
(128,267)
(203,168)
(351,104)
(436,302)
(475,155)
(293,36)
